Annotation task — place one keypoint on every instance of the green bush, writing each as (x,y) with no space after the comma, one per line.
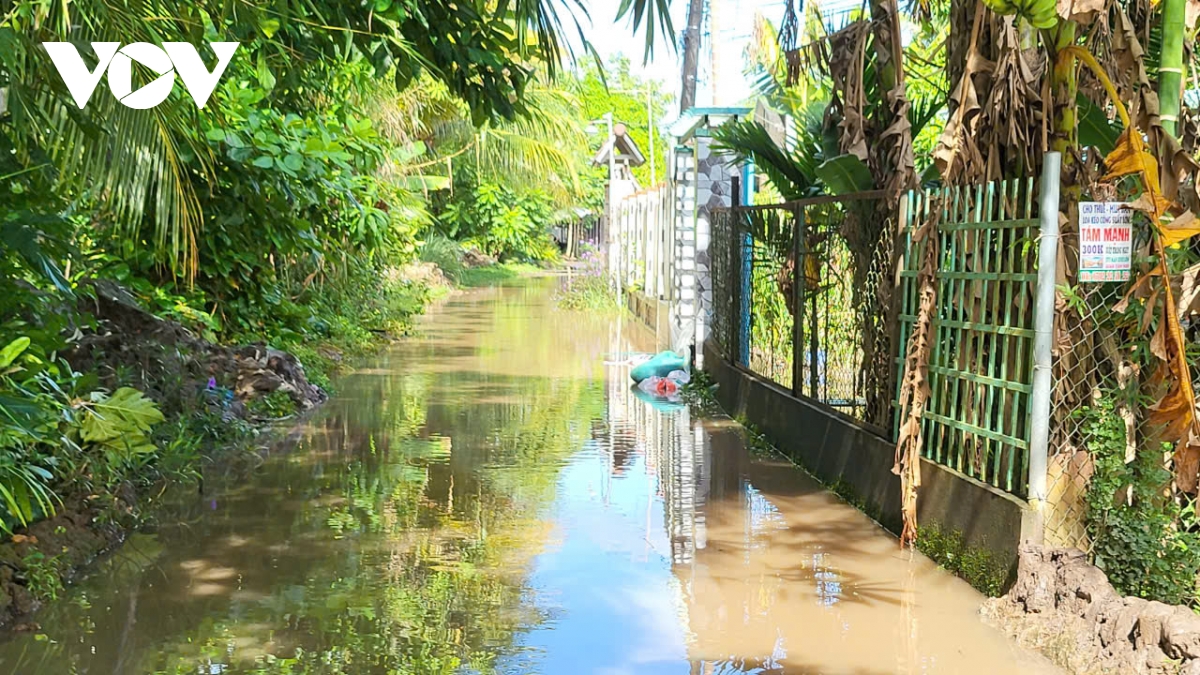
(1140,533)
(976,566)
(445,253)
(503,223)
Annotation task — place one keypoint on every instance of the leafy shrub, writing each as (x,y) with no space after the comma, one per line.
(976,566)
(51,433)
(272,406)
(503,223)
(41,576)
(1136,527)
(445,253)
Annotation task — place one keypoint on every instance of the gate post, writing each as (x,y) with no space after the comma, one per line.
(799,295)
(1043,328)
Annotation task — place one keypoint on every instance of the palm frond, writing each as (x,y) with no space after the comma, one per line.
(127,161)
(655,14)
(792,172)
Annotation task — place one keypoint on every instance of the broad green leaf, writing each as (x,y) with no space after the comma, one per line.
(13,350)
(845,174)
(265,77)
(263,161)
(424,182)
(126,412)
(35,248)
(1095,129)
(268,26)
(217,135)
(293,161)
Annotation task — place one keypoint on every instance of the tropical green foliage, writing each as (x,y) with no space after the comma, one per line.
(1143,539)
(281,212)
(501,221)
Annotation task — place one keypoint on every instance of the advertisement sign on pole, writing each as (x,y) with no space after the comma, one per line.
(1105,241)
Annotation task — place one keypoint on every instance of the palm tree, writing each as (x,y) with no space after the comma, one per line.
(142,170)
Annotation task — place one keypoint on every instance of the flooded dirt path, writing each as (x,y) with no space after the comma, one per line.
(490,496)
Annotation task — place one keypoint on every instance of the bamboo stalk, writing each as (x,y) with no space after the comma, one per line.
(1170,72)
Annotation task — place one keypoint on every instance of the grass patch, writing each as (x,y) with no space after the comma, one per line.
(977,567)
(494,275)
(345,338)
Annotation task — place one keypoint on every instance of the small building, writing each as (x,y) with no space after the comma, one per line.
(621,183)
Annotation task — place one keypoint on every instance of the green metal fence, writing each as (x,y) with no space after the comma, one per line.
(980,372)
(787,298)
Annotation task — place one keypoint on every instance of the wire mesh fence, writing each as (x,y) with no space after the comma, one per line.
(802,298)
(791,297)
(1078,382)
(1095,380)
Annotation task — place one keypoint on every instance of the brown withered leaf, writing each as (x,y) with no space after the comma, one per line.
(1148,311)
(847,51)
(1135,291)
(1189,291)
(1130,156)
(958,156)
(1187,463)
(914,382)
(1080,11)
(1158,343)
(1182,228)
(1178,168)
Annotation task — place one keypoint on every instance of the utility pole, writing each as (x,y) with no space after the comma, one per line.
(713,43)
(691,54)
(651,131)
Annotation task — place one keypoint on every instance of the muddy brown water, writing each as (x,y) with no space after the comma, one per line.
(489,496)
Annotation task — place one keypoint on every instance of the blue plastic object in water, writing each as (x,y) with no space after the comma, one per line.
(661,365)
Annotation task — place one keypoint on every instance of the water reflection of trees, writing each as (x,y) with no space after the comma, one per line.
(392,536)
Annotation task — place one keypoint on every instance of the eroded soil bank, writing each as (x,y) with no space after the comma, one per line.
(188,377)
(1064,607)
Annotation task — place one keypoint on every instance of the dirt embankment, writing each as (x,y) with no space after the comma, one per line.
(1064,607)
(185,375)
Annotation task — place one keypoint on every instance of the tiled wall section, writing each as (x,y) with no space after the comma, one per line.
(702,183)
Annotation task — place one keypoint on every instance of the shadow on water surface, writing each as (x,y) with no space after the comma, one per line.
(489,496)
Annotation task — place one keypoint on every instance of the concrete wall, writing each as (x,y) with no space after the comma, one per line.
(655,313)
(834,447)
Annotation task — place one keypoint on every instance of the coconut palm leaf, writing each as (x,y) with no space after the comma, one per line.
(655,15)
(792,172)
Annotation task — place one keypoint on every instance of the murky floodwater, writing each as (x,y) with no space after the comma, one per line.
(490,497)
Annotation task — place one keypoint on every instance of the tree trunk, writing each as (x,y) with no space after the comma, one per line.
(691,54)
(1170,72)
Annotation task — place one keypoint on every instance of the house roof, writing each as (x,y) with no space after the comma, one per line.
(698,121)
(627,150)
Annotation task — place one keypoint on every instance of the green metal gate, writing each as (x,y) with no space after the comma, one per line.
(980,369)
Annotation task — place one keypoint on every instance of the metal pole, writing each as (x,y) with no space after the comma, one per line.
(799,293)
(1043,327)
(650,129)
(614,248)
